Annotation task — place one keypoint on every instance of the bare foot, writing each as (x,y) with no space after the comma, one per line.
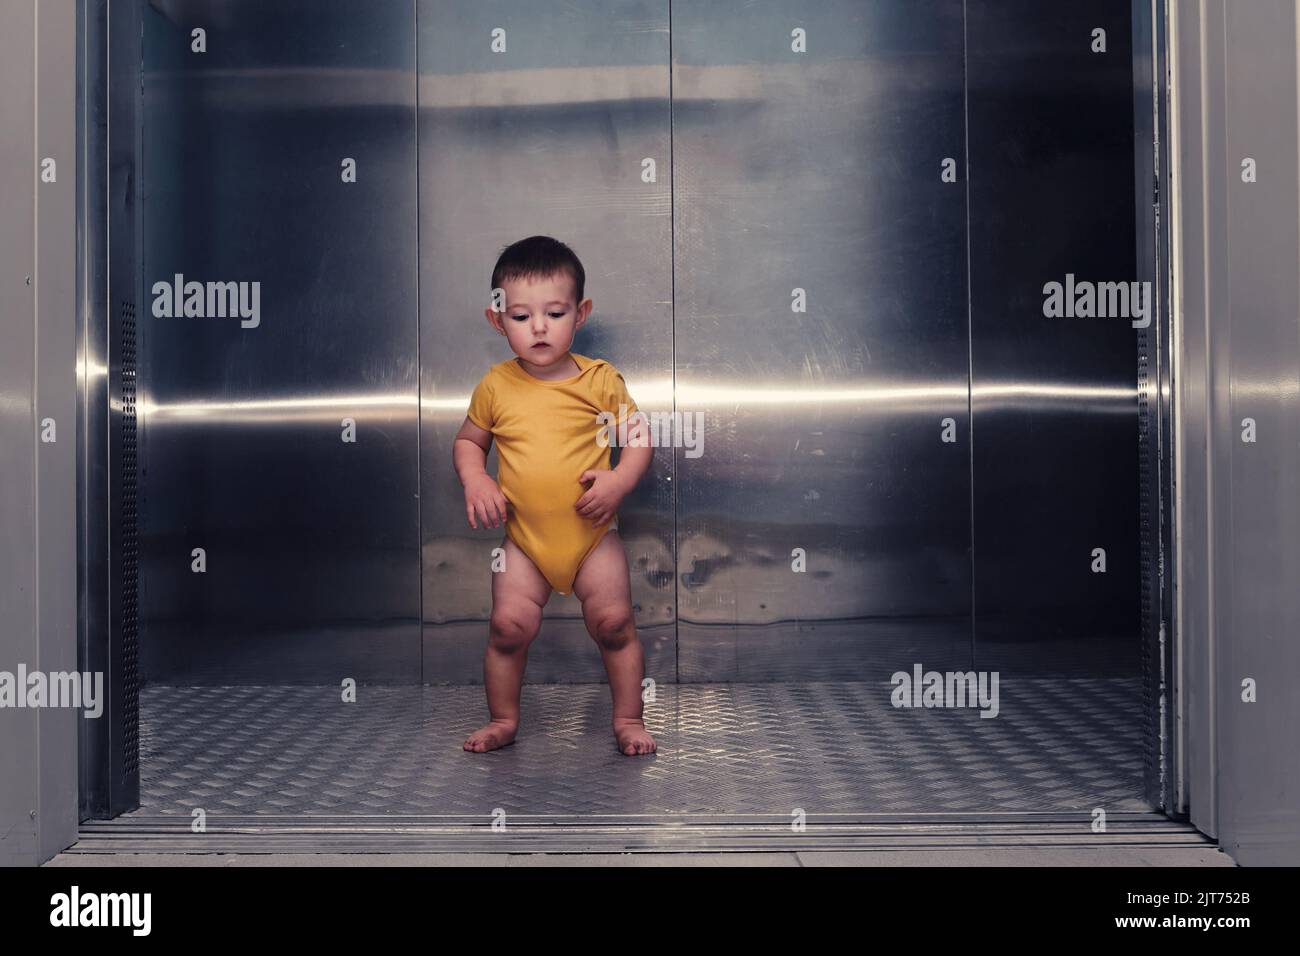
(493,734)
(633,740)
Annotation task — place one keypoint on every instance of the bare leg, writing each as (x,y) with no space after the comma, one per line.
(603,587)
(518,595)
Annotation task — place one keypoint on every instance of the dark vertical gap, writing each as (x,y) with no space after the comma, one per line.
(970,325)
(1146,340)
(672,329)
(419,363)
(139,418)
(81,70)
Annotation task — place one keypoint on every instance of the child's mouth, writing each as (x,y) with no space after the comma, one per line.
(540,345)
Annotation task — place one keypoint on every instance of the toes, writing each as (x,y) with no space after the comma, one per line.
(637,747)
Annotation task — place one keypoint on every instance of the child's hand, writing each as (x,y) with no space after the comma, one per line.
(600,501)
(484,498)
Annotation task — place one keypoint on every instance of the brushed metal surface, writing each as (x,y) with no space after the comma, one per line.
(1054,400)
(311,541)
(821,329)
(823,428)
(1148,836)
(1256,362)
(20,641)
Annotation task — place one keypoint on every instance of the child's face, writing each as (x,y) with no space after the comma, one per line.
(540,317)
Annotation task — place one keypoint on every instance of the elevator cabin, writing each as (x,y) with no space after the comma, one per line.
(825,231)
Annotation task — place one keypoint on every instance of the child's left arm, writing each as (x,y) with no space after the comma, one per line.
(609,488)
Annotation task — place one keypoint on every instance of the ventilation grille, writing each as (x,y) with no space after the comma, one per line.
(130,549)
(1148,543)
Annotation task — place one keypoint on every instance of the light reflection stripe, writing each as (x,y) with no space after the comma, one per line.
(652,397)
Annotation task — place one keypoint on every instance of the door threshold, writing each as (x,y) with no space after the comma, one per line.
(626,833)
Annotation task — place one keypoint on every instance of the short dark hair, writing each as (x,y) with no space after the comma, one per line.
(537,257)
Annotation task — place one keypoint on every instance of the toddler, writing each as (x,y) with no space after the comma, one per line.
(557,494)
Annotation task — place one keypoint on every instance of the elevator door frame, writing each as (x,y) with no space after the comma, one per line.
(110,774)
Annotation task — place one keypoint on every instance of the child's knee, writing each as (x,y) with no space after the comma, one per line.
(512,629)
(613,628)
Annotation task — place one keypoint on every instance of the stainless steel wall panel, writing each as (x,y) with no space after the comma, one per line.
(1258,340)
(55,285)
(777,170)
(1235,71)
(38,432)
(312,548)
(821,171)
(1054,399)
(19,640)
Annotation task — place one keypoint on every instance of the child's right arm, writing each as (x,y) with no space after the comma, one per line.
(482,496)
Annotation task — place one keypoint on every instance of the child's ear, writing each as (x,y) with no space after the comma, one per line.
(584,310)
(494,319)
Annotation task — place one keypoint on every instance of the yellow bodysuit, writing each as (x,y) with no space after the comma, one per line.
(546,434)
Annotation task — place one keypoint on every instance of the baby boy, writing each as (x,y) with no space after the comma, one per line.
(556,494)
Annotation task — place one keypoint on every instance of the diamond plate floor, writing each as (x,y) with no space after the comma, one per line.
(828,748)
